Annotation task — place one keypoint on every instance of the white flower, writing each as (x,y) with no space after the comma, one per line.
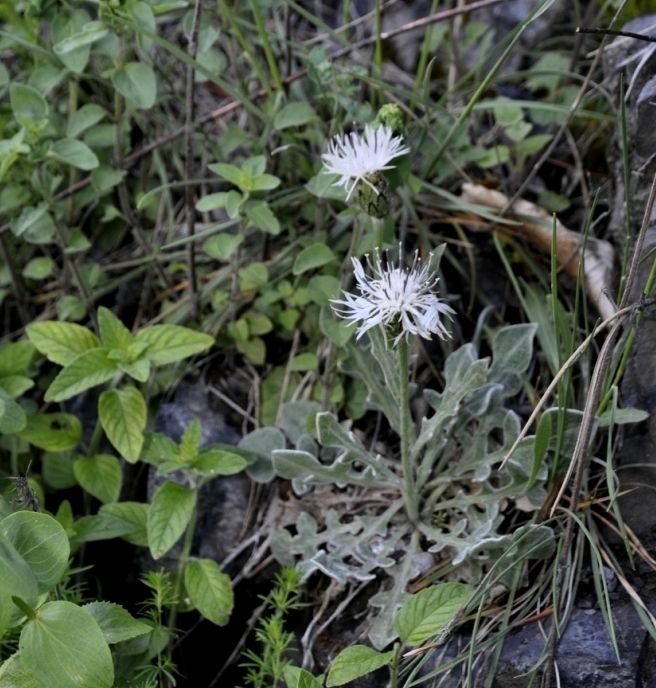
(399,299)
(353,157)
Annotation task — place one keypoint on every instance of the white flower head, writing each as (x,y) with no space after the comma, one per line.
(399,299)
(353,157)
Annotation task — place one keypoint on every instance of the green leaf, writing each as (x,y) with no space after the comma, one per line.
(30,108)
(170,343)
(133,515)
(210,590)
(65,648)
(15,358)
(622,416)
(39,268)
(137,82)
(55,432)
(62,342)
(265,182)
(430,611)
(90,33)
(260,444)
(84,118)
(322,288)
(212,202)
(294,115)
(87,370)
(168,516)
(254,349)
(230,173)
(114,334)
(304,362)
(123,416)
(75,153)
(356,661)
(16,385)
(64,27)
(116,623)
(16,576)
(261,215)
(190,441)
(12,416)
(298,678)
(43,544)
(213,462)
(57,470)
(313,257)
(222,246)
(158,448)
(100,476)
(13,674)
(253,276)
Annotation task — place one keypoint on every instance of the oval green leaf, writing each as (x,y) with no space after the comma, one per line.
(168,516)
(430,611)
(313,257)
(294,115)
(116,623)
(100,476)
(210,590)
(137,82)
(55,432)
(62,342)
(123,417)
(356,661)
(75,153)
(65,648)
(88,370)
(16,577)
(170,343)
(43,544)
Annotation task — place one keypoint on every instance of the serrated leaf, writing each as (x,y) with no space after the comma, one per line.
(190,441)
(88,370)
(134,515)
(213,462)
(296,677)
(65,648)
(123,416)
(170,343)
(12,417)
(42,543)
(61,342)
(114,334)
(116,623)
(168,516)
(356,661)
(100,476)
(15,358)
(210,590)
(55,432)
(429,611)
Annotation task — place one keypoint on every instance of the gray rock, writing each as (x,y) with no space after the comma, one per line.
(585,653)
(223,502)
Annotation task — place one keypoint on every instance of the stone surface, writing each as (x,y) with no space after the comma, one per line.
(585,654)
(222,503)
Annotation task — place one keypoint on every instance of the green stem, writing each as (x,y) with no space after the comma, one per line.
(184,557)
(378,225)
(410,496)
(95,438)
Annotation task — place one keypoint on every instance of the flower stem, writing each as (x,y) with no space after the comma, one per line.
(410,496)
(378,224)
